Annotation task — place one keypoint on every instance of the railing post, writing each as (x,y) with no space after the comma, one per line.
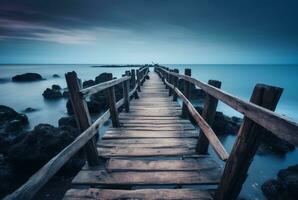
(167,77)
(133,82)
(125,92)
(138,80)
(175,82)
(186,93)
(82,115)
(171,82)
(246,145)
(112,102)
(208,114)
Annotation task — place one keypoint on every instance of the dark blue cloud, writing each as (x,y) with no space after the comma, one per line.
(247,29)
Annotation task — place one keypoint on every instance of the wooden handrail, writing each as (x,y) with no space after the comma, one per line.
(44,174)
(207,130)
(279,125)
(102,86)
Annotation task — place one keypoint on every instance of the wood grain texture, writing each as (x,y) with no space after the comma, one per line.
(149,194)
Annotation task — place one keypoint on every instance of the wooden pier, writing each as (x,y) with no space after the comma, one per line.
(152,150)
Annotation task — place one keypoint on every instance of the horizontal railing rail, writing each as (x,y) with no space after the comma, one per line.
(102,86)
(281,126)
(207,130)
(45,173)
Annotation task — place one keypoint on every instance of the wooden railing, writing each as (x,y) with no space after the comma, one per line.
(88,129)
(259,116)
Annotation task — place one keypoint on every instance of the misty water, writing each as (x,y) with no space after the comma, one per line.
(238,80)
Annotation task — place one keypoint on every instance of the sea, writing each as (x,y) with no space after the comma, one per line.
(238,80)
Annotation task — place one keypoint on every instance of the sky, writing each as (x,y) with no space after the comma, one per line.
(145,31)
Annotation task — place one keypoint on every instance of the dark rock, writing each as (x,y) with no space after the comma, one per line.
(4,80)
(68,121)
(88,83)
(56,87)
(65,94)
(56,76)
(51,94)
(284,187)
(8,114)
(147,77)
(272,144)
(39,146)
(27,77)
(14,126)
(101,78)
(29,109)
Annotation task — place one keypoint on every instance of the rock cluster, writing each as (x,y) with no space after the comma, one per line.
(284,187)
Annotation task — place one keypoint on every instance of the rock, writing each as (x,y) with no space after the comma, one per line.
(8,114)
(68,121)
(56,76)
(29,109)
(272,144)
(27,77)
(51,94)
(147,77)
(65,94)
(284,187)
(39,146)
(88,83)
(56,87)
(12,124)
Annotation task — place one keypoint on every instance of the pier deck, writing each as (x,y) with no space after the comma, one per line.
(153,147)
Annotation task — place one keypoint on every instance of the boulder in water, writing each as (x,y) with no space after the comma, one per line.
(27,77)
(56,87)
(284,187)
(56,76)
(52,94)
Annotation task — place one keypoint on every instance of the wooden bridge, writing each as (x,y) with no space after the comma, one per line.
(152,150)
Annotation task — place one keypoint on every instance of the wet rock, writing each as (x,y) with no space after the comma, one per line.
(88,83)
(56,76)
(65,94)
(147,77)
(8,114)
(14,126)
(29,109)
(27,77)
(272,144)
(284,187)
(39,146)
(68,121)
(56,87)
(51,94)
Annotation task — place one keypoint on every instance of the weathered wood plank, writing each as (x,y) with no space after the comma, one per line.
(150,134)
(103,177)
(143,152)
(149,194)
(161,165)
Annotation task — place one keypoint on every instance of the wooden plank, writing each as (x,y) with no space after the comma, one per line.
(156,128)
(143,152)
(175,126)
(149,194)
(151,134)
(129,178)
(154,121)
(125,117)
(117,164)
(149,142)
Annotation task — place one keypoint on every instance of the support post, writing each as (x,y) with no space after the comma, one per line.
(246,145)
(82,116)
(138,81)
(171,82)
(175,82)
(125,92)
(112,102)
(186,93)
(133,82)
(208,114)
(167,77)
